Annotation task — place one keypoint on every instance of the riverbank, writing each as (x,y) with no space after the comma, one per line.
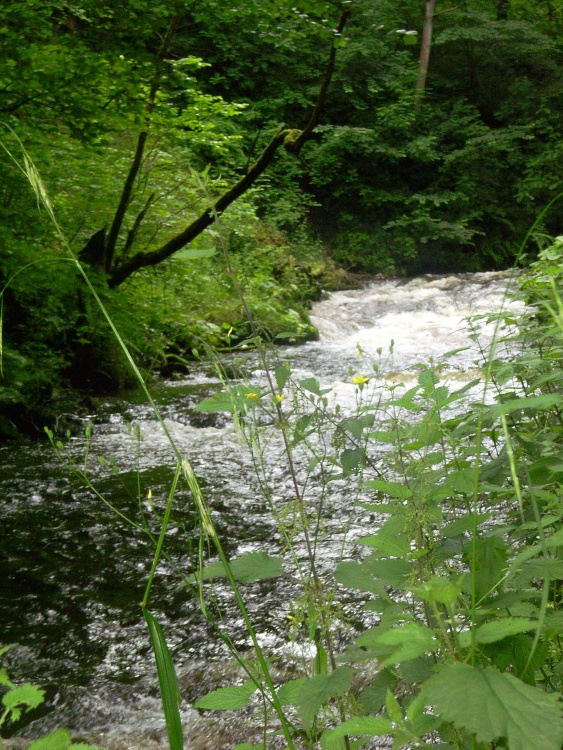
(52,366)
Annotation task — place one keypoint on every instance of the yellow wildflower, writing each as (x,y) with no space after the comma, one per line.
(279,397)
(360,379)
(253,396)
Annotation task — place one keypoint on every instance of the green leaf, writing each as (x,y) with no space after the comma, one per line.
(318,689)
(390,539)
(240,398)
(311,385)
(393,489)
(463,524)
(491,632)
(351,458)
(228,698)
(493,704)
(427,380)
(408,641)
(545,401)
(195,253)
(489,564)
(58,740)
(26,695)
(282,374)
(406,400)
(393,708)
(169,689)
(439,589)
(365,726)
(462,481)
(392,571)
(249,567)
(288,693)
(372,699)
(5,677)
(354,575)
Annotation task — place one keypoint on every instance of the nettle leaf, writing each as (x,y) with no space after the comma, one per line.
(392,571)
(318,689)
(372,699)
(312,385)
(393,708)
(387,544)
(541,568)
(282,374)
(288,693)
(228,698)
(407,641)
(366,726)
(58,740)
(356,576)
(545,401)
(489,564)
(351,458)
(462,481)
(406,400)
(439,589)
(427,380)
(515,653)
(491,632)
(463,524)
(393,489)
(493,704)
(249,567)
(356,425)
(555,540)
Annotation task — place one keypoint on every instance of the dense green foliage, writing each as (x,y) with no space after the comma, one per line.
(457,492)
(464,574)
(139,117)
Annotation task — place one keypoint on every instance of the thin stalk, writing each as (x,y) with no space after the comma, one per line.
(189,475)
(163,529)
(317,585)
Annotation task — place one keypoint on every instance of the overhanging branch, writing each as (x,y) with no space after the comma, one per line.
(293,140)
(142,260)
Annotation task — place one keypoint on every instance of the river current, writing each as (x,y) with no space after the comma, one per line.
(73,573)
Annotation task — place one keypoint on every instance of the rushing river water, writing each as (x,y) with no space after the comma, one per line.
(73,573)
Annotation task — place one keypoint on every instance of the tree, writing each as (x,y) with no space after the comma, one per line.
(291,139)
(425,47)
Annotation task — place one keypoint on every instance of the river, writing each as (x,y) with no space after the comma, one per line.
(73,573)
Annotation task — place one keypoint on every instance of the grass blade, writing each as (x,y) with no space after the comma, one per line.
(168,681)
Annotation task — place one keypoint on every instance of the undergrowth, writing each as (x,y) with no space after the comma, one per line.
(458,566)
